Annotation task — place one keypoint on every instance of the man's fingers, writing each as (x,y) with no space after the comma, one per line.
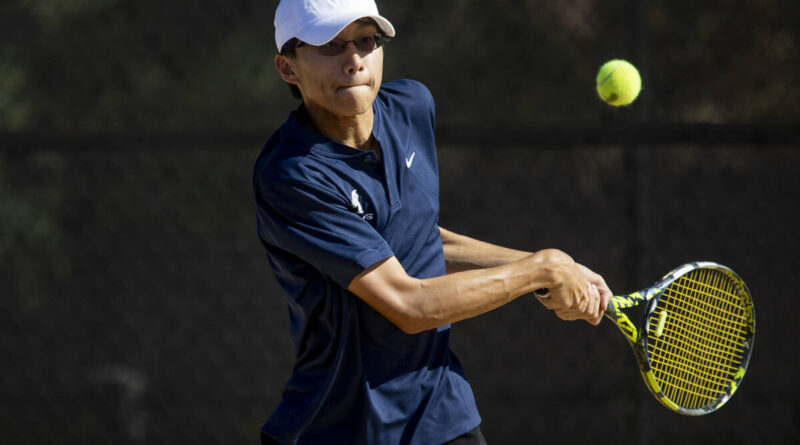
(606,295)
(588,301)
(585,297)
(583,304)
(568,315)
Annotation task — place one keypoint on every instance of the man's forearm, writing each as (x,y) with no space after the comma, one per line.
(416,305)
(463,253)
(462,295)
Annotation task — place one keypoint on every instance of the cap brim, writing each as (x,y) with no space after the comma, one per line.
(326,29)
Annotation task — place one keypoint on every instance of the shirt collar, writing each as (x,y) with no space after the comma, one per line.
(295,133)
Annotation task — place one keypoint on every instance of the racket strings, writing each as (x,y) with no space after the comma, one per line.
(692,378)
(687,327)
(702,344)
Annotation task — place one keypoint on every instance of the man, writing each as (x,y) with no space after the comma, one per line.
(347,207)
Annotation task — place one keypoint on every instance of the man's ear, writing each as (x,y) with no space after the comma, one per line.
(285,69)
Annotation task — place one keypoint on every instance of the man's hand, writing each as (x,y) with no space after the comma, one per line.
(580,295)
(600,284)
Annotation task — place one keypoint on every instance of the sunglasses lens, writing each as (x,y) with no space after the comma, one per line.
(337,46)
(332,48)
(365,43)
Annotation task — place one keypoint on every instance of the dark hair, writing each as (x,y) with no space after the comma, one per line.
(288,50)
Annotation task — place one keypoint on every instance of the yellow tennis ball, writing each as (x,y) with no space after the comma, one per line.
(618,82)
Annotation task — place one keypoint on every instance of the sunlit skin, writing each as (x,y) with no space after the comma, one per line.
(338,91)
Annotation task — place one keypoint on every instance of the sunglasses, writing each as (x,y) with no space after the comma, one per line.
(365,43)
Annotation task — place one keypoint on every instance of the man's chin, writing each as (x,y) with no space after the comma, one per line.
(357,100)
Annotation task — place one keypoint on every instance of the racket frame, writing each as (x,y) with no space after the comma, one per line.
(631,313)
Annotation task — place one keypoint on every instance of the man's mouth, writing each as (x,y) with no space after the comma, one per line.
(347,87)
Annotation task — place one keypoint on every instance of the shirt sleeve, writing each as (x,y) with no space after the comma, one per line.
(314,223)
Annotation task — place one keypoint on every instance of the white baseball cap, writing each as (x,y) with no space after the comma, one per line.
(316,22)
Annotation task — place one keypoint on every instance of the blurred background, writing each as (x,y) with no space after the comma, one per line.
(137,305)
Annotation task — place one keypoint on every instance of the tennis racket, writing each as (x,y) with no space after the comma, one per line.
(692,334)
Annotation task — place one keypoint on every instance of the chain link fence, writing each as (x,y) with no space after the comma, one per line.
(141,309)
(137,305)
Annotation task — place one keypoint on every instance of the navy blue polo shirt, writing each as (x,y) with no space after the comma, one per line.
(326,212)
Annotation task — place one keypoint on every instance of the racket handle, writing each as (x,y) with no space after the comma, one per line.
(610,312)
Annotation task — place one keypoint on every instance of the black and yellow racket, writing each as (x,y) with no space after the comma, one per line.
(692,333)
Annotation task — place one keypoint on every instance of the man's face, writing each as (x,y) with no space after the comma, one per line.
(345,84)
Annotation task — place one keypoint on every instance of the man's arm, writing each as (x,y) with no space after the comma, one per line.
(416,305)
(464,253)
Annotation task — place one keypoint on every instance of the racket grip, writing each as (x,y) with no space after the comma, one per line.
(542,293)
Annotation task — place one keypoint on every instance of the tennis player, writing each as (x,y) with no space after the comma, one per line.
(348,207)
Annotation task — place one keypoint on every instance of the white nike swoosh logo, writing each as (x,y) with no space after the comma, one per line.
(410,160)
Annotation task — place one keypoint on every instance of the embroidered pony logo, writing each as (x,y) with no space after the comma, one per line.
(355,204)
